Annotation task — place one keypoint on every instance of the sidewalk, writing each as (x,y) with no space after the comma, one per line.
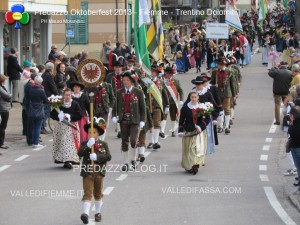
(289,189)
(13,134)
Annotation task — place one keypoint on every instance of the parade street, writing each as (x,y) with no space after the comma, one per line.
(242,183)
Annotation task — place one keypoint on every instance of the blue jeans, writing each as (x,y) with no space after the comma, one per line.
(47,111)
(296,157)
(36,130)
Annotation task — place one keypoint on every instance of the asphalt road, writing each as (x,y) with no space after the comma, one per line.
(240,184)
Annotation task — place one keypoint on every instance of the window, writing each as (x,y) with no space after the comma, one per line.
(80,29)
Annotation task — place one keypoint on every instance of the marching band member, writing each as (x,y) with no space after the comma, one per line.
(115,80)
(206,96)
(84,102)
(157,110)
(131,110)
(66,139)
(191,126)
(222,78)
(175,95)
(93,173)
(148,121)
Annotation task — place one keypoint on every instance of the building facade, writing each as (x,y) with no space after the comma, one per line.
(112,20)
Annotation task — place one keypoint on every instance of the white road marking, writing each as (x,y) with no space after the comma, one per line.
(269,140)
(264,177)
(263,167)
(122,177)
(21,158)
(264,157)
(147,154)
(266,148)
(273,128)
(92,222)
(38,149)
(2,168)
(108,190)
(51,140)
(277,206)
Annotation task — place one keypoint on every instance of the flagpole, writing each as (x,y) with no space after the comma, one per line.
(91,95)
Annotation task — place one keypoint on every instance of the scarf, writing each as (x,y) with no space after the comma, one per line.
(76,95)
(67,104)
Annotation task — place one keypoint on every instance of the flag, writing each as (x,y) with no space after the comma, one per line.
(154,91)
(155,35)
(232,15)
(262,10)
(141,18)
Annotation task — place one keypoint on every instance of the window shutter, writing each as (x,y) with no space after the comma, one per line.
(80,29)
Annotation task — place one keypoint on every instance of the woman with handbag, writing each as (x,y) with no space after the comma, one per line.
(66,133)
(5,107)
(35,110)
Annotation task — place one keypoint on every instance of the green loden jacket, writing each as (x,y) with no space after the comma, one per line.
(137,105)
(230,86)
(103,156)
(108,97)
(179,89)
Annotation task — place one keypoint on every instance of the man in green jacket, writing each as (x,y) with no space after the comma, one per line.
(175,95)
(222,78)
(131,111)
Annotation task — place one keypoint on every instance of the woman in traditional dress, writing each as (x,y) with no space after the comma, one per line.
(206,96)
(182,61)
(84,103)
(192,130)
(190,42)
(267,43)
(66,136)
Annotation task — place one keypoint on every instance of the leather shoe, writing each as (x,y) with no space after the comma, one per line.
(162,135)
(119,135)
(125,167)
(142,158)
(98,217)
(4,147)
(173,134)
(85,218)
(277,123)
(150,146)
(44,131)
(156,146)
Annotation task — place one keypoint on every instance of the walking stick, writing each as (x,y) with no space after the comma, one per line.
(91,95)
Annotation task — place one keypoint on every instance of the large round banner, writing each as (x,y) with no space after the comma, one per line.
(91,72)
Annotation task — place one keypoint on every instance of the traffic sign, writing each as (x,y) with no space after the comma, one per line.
(70,33)
(217,30)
